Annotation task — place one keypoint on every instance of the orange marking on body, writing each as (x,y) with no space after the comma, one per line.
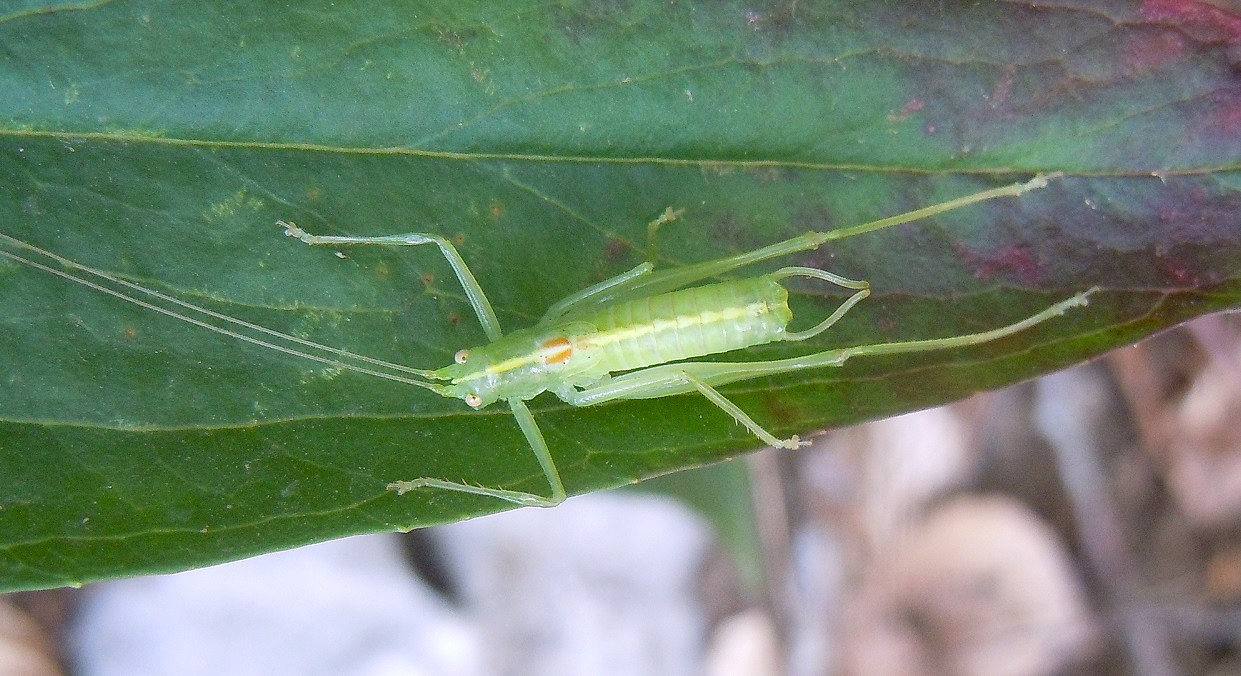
(557,350)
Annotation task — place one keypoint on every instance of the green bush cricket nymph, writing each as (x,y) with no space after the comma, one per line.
(628,337)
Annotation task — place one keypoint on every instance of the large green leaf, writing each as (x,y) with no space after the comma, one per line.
(161,141)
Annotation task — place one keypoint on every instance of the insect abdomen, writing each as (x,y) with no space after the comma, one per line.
(690,323)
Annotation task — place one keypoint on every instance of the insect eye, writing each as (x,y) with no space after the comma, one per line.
(473,400)
(461,356)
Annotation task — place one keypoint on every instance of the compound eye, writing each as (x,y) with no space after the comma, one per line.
(461,356)
(473,400)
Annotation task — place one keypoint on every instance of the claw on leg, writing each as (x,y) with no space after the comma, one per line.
(793,443)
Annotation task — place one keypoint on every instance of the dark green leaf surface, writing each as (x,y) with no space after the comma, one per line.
(161,141)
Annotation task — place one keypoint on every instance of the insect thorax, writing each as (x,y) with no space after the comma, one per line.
(524,364)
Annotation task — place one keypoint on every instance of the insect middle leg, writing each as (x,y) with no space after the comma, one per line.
(660,381)
(535,437)
(584,297)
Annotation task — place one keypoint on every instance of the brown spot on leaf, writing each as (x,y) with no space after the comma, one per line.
(911,106)
(780,410)
(1003,89)
(1017,260)
(615,249)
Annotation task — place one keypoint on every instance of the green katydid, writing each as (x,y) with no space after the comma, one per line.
(629,337)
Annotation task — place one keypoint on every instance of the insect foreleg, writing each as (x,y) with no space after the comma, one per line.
(535,437)
(482,307)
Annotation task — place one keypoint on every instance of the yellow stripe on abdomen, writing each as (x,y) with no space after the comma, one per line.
(689,323)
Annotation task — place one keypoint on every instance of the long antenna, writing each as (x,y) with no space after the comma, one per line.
(336,352)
